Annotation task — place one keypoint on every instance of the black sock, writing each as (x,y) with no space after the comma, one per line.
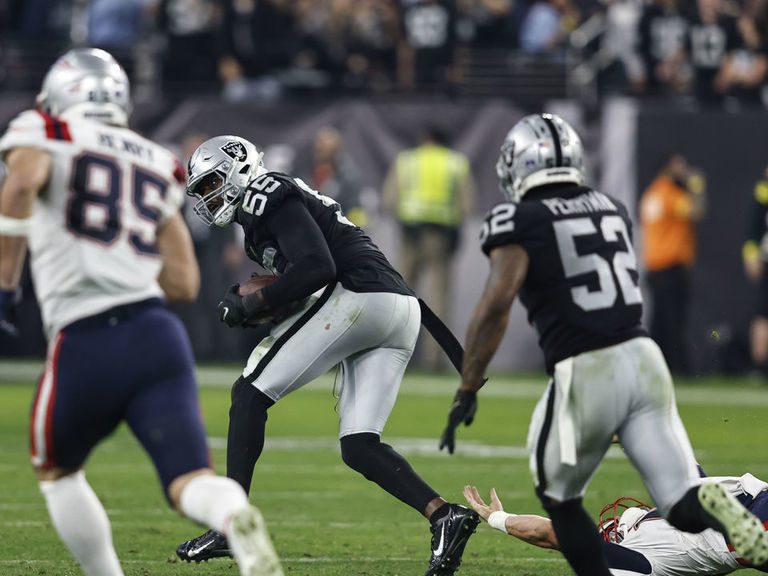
(245,437)
(379,463)
(579,539)
(689,516)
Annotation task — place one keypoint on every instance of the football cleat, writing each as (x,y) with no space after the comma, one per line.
(743,529)
(449,537)
(251,545)
(212,544)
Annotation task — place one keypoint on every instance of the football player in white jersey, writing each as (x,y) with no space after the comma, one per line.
(97,206)
(638,540)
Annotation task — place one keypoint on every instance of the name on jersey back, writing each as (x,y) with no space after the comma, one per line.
(118,143)
(587,203)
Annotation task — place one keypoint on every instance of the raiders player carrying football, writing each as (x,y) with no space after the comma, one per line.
(567,250)
(356,311)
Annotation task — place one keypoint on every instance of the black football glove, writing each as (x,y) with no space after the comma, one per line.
(231,309)
(8,299)
(463,410)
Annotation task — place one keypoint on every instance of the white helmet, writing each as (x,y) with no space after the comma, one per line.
(91,81)
(540,149)
(218,173)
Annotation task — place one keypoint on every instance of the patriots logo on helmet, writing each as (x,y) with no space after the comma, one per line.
(235,150)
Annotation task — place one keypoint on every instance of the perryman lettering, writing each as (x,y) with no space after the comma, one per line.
(582,204)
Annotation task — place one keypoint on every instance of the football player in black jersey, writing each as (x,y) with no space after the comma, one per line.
(348,307)
(567,250)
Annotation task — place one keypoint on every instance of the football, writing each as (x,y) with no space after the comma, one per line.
(255,283)
(268,315)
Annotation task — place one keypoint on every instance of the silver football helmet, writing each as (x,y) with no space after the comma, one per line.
(540,149)
(218,173)
(91,81)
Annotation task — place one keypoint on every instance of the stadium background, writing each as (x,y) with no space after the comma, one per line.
(299,74)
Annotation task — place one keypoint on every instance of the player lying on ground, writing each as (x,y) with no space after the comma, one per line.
(567,249)
(639,541)
(98,206)
(337,301)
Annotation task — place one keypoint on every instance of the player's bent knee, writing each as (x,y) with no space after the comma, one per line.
(246,397)
(177,485)
(357,451)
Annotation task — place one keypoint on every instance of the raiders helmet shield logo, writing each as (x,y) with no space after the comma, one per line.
(235,150)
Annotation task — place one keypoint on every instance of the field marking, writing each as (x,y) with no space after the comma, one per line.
(302,560)
(407,446)
(506,386)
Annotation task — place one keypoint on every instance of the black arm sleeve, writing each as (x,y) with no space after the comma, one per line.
(310,264)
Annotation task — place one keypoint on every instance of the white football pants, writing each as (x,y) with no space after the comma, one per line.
(372,335)
(624,389)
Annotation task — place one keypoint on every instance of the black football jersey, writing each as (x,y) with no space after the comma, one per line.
(360,265)
(581,289)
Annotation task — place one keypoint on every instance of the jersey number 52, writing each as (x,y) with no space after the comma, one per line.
(574,264)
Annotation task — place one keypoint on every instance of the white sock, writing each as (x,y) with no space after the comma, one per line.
(82,524)
(211,500)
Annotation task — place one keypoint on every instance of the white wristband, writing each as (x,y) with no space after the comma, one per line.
(498,520)
(15,226)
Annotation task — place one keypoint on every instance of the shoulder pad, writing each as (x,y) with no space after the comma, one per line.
(499,226)
(266,192)
(34,129)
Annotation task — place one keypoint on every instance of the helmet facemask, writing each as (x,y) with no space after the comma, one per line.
(218,197)
(616,518)
(219,172)
(505,174)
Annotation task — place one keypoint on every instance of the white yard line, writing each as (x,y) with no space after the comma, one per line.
(406,446)
(498,387)
(306,560)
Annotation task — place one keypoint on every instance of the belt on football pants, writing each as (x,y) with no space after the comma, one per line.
(114,315)
(442,335)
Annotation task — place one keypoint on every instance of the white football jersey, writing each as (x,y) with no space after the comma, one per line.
(675,553)
(93,239)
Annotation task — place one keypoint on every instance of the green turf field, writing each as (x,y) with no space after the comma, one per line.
(324,518)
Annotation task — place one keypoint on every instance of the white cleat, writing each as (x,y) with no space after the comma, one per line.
(744,530)
(251,545)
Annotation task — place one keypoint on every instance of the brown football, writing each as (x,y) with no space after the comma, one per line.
(255,283)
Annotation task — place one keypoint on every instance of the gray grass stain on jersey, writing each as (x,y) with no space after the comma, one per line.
(120,144)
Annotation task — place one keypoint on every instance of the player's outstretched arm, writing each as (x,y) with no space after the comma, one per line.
(180,276)
(509,267)
(529,528)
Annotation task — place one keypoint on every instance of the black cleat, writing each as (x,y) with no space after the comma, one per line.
(449,537)
(212,544)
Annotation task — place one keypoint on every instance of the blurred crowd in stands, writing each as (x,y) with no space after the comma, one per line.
(713,50)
